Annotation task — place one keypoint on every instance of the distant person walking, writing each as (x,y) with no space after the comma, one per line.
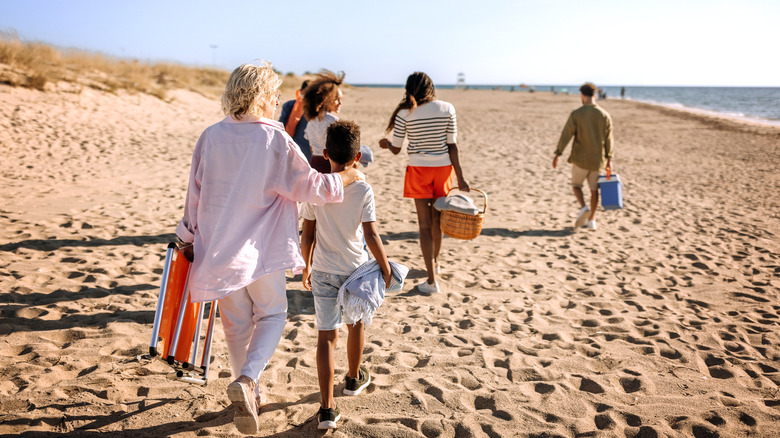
(431,129)
(591,128)
(294,122)
(622,92)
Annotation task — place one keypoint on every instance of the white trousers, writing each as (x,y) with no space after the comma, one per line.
(253,319)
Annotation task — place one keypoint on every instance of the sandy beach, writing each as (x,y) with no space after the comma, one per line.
(663,322)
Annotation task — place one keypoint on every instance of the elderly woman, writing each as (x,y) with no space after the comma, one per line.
(241,216)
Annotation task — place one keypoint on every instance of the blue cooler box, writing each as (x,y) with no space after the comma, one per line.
(611,192)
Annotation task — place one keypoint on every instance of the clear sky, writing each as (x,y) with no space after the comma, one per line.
(621,42)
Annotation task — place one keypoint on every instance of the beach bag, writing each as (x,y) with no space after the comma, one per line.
(461,225)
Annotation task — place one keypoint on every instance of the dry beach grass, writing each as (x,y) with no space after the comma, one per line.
(40,66)
(663,322)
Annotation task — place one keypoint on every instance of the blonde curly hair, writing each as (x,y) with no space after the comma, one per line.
(250,90)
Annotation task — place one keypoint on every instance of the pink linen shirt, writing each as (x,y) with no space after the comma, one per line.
(241,210)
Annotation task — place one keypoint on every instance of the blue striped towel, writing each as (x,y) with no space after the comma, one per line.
(364,290)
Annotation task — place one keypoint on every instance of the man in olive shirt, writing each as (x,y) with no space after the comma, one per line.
(591,128)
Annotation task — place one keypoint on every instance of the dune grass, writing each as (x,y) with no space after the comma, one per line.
(41,66)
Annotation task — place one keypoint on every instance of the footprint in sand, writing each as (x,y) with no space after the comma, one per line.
(466,324)
(491,340)
(701,431)
(489,403)
(669,352)
(716,367)
(434,391)
(591,386)
(630,384)
(632,420)
(463,352)
(544,388)
(747,420)
(603,421)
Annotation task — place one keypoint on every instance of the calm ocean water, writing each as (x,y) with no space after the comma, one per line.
(761,104)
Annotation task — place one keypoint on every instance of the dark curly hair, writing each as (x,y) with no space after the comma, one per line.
(321,92)
(343,141)
(419,90)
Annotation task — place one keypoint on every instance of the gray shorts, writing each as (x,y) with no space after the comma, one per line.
(325,288)
(579,175)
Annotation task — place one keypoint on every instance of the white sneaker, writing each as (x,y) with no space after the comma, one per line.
(582,217)
(242,394)
(428,288)
(591,225)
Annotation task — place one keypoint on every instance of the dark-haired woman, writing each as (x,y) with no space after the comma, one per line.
(321,103)
(431,129)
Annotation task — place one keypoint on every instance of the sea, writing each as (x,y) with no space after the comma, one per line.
(755,104)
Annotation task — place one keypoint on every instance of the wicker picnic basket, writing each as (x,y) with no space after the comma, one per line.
(461,225)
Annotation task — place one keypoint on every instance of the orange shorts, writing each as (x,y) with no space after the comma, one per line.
(428,182)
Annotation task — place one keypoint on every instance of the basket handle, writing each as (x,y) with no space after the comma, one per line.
(484,195)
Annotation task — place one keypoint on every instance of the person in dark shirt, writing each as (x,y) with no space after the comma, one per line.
(294,122)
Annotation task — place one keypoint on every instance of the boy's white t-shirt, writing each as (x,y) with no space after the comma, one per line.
(339,234)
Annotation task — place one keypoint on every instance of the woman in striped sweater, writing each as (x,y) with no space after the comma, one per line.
(431,130)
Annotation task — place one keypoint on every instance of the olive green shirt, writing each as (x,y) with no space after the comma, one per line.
(591,128)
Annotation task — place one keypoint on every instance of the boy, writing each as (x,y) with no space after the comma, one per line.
(339,251)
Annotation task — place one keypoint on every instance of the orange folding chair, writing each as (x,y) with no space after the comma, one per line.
(177,322)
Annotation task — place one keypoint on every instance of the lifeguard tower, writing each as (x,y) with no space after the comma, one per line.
(461,84)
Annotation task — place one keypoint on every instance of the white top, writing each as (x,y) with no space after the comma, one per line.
(429,128)
(317,132)
(241,210)
(339,234)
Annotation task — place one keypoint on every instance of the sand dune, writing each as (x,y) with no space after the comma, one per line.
(663,322)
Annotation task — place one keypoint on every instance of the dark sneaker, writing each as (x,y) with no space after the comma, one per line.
(355,386)
(242,394)
(328,418)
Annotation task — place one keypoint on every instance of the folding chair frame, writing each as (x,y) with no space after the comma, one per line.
(175,288)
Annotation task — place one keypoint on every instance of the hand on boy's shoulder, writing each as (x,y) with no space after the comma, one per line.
(351,175)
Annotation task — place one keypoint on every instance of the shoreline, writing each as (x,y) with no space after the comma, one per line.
(753,120)
(709,117)
(710,114)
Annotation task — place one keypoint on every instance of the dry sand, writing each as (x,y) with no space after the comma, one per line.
(663,322)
